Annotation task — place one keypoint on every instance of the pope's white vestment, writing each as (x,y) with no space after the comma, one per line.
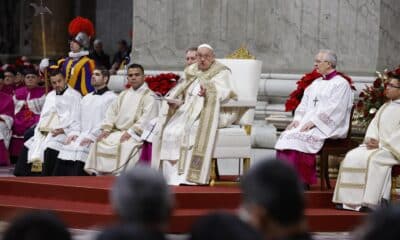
(186,135)
(365,175)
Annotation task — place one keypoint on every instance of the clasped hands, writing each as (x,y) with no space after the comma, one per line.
(372,143)
(85,142)
(306,127)
(104,134)
(56,132)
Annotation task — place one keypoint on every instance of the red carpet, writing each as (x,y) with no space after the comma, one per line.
(83,202)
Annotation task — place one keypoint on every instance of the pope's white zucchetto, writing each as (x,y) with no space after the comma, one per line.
(205,45)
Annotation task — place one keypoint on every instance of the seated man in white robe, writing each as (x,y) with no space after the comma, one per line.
(73,155)
(364,180)
(119,143)
(59,122)
(189,119)
(324,112)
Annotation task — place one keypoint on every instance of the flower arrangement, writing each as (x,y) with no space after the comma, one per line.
(160,83)
(295,97)
(371,98)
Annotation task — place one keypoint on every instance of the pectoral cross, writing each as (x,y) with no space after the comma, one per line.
(315,101)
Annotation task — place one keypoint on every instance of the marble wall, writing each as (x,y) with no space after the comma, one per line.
(113,22)
(284,34)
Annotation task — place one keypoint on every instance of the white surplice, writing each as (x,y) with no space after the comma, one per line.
(365,175)
(177,139)
(93,112)
(8,120)
(130,112)
(326,103)
(59,112)
(35,105)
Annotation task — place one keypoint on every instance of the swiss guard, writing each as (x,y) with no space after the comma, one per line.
(78,67)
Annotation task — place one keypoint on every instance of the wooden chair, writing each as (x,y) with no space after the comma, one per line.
(334,147)
(394,196)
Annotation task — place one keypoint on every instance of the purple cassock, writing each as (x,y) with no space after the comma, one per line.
(29,102)
(18,86)
(8,89)
(145,156)
(6,110)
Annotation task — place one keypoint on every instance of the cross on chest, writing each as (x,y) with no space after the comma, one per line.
(315,101)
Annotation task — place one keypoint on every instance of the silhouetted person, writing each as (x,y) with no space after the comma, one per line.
(273,201)
(99,56)
(220,225)
(141,198)
(37,225)
(382,224)
(127,232)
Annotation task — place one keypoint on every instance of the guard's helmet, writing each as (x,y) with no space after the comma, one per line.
(81,30)
(82,39)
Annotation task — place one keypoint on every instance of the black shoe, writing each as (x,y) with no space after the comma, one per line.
(306,187)
(366,209)
(384,203)
(339,206)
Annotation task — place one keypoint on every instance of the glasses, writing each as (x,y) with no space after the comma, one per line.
(391,85)
(319,61)
(204,56)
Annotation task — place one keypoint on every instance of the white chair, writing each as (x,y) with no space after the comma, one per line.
(117,82)
(234,142)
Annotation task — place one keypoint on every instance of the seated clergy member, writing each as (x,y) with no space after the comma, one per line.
(145,157)
(118,145)
(364,179)
(73,155)
(186,131)
(59,122)
(29,100)
(324,112)
(6,122)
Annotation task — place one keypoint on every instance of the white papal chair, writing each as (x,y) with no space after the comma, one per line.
(117,82)
(234,142)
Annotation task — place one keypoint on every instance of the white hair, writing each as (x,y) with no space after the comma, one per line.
(97,41)
(205,45)
(330,56)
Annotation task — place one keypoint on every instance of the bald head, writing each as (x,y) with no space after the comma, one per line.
(206,57)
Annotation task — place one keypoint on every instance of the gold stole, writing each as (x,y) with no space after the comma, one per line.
(207,120)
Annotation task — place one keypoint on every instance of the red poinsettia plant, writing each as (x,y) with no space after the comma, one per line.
(161,83)
(372,97)
(295,97)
